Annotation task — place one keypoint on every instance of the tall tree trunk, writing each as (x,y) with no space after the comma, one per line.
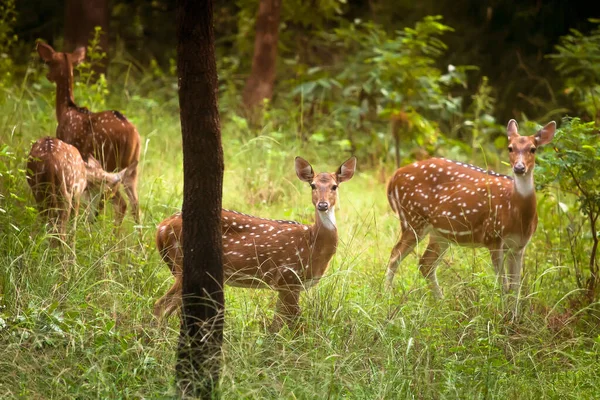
(203,302)
(259,85)
(81,18)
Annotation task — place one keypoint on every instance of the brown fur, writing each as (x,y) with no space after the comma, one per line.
(261,253)
(58,176)
(106,135)
(463,204)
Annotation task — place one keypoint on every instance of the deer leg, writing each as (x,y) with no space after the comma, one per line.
(287,309)
(428,264)
(120,206)
(76,198)
(170,302)
(514,269)
(131,191)
(497,255)
(404,246)
(62,217)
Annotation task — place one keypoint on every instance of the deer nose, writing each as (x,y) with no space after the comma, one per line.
(519,168)
(322,206)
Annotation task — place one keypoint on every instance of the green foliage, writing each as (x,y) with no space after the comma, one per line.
(482,123)
(381,76)
(8,18)
(577,59)
(77,324)
(575,166)
(92,85)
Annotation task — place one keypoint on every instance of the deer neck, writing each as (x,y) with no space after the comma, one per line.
(523,198)
(64,90)
(324,233)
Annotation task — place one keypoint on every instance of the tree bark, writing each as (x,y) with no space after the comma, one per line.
(81,18)
(203,302)
(259,85)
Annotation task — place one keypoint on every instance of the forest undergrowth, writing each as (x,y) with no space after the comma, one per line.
(77,323)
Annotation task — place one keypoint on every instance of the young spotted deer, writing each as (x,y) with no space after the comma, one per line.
(463,204)
(58,175)
(106,135)
(285,256)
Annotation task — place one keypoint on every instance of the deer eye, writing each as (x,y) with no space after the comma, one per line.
(313,186)
(532,150)
(510,149)
(334,187)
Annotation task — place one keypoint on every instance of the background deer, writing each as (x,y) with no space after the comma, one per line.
(106,135)
(284,256)
(460,203)
(58,175)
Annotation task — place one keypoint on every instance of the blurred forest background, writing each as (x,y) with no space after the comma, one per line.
(360,63)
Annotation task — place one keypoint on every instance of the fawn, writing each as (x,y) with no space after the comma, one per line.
(460,203)
(58,176)
(106,135)
(285,256)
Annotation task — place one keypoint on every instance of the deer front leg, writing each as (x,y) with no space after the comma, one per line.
(120,207)
(287,309)
(497,254)
(514,269)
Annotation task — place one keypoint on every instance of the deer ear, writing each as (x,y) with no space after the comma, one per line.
(93,163)
(45,51)
(511,128)
(78,55)
(546,134)
(304,170)
(346,171)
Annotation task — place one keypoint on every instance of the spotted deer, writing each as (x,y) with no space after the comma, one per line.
(58,176)
(285,256)
(459,203)
(106,135)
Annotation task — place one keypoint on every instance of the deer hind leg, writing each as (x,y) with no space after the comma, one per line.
(171,301)
(60,219)
(287,309)
(429,261)
(404,246)
(132,194)
(497,254)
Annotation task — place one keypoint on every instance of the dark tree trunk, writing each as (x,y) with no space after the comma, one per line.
(81,18)
(203,302)
(259,85)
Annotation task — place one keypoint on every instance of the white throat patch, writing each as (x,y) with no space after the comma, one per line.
(328,218)
(524,184)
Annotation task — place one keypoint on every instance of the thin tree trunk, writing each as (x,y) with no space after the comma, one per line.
(203,302)
(259,85)
(81,18)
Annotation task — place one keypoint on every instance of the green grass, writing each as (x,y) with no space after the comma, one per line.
(78,324)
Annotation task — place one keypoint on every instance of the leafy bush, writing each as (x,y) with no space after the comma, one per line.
(8,18)
(577,60)
(383,78)
(575,166)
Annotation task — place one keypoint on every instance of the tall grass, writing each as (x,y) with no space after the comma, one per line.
(77,323)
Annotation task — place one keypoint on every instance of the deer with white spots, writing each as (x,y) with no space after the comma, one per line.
(58,176)
(106,135)
(459,203)
(285,256)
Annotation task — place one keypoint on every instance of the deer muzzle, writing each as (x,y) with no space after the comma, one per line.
(322,206)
